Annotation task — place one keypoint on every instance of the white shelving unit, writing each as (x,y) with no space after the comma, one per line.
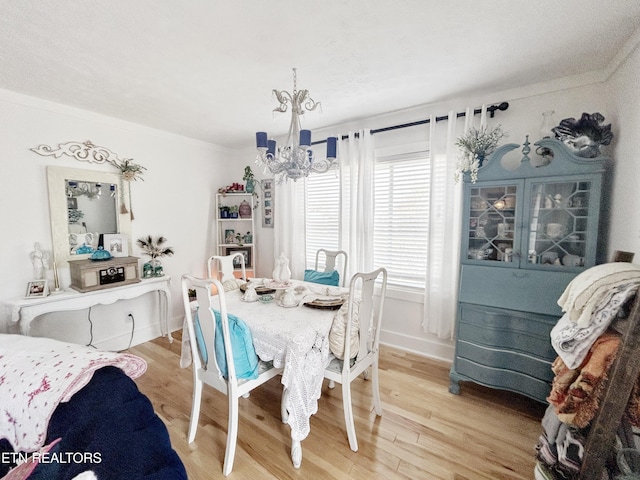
(230,224)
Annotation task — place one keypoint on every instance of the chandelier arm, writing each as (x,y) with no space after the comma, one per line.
(284,98)
(321,165)
(310,105)
(307,103)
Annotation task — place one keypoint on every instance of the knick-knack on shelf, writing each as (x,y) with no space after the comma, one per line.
(244,209)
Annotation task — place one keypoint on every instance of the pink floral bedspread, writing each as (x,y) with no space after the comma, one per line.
(36,374)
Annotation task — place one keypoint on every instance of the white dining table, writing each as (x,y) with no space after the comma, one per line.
(297,340)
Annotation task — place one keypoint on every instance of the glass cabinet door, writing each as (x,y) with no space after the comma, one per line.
(558,223)
(491,231)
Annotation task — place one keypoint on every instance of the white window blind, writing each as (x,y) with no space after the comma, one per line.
(401,217)
(322,200)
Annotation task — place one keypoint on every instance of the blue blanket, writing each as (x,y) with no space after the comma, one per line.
(110,428)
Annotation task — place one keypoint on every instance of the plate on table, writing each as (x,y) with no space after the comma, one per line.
(260,289)
(330,303)
(277,285)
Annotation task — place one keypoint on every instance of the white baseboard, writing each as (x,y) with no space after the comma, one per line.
(432,348)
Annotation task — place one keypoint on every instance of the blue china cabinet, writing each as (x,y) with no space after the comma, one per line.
(526,233)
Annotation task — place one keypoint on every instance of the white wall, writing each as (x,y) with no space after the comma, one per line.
(175,200)
(624,227)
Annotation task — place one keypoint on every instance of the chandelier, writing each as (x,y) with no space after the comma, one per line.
(295,159)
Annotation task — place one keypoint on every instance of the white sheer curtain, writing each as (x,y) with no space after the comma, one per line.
(357,163)
(445,205)
(288,224)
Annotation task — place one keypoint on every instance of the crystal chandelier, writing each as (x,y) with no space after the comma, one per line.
(295,159)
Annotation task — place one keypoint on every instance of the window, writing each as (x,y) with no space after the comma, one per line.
(400,219)
(322,200)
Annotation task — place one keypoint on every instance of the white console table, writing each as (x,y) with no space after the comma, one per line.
(24,310)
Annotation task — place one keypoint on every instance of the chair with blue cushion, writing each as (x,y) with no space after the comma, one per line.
(223,355)
(330,274)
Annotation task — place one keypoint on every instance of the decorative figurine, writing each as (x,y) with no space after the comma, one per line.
(40,261)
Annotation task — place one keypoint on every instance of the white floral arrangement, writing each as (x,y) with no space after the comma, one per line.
(475,145)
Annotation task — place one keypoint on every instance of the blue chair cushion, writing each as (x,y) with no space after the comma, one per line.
(324,278)
(245,358)
(202,347)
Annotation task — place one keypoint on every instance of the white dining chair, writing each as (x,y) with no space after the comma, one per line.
(332,259)
(222,266)
(364,306)
(209,363)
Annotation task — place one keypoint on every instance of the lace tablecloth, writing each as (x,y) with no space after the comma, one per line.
(294,338)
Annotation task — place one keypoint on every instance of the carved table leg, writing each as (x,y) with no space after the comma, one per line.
(164,303)
(284,413)
(296,453)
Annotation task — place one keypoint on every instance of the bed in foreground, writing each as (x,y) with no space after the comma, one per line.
(69,412)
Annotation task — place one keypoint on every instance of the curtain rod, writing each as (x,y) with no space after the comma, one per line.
(491,109)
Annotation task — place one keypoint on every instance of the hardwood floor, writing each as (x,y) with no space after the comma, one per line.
(425,431)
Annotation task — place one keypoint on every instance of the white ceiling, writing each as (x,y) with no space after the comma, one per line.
(205,68)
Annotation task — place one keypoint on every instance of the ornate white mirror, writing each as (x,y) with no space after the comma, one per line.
(83,204)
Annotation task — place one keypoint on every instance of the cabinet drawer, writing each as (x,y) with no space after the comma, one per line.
(527,333)
(505,379)
(504,359)
(516,289)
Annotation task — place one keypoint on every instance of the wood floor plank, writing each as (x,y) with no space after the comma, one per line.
(425,431)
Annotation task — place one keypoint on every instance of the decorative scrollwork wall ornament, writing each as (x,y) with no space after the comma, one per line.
(82,151)
(88,152)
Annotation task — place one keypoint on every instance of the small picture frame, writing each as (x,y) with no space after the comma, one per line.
(229,236)
(246,251)
(116,244)
(268,203)
(37,289)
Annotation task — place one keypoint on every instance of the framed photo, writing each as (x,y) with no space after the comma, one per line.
(37,289)
(116,244)
(72,203)
(229,236)
(268,203)
(246,251)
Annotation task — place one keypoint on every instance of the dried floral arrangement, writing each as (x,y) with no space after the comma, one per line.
(129,170)
(475,145)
